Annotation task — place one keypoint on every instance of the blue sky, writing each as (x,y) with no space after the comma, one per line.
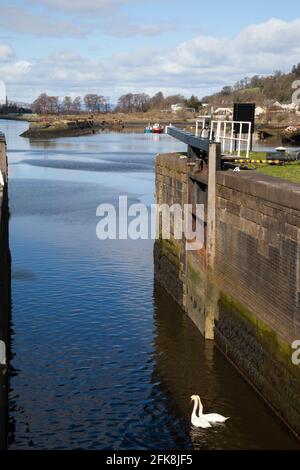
(116,46)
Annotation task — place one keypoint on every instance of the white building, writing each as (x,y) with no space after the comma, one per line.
(277,105)
(259,111)
(180,107)
(176,107)
(223,113)
(289,107)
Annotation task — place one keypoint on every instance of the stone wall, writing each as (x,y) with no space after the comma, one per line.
(257,271)
(250,301)
(258,247)
(171,187)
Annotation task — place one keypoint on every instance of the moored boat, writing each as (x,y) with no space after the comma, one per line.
(148,129)
(157,128)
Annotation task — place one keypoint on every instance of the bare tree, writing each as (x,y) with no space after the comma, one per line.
(134,102)
(96,103)
(90,101)
(174,99)
(77,104)
(53,104)
(67,105)
(157,101)
(40,105)
(45,104)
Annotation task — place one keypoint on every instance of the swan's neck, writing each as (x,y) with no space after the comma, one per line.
(195,408)
(200,407)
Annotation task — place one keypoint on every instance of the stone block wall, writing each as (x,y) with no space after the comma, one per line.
(258,247)
(257,273)
(169,255)
(250,302)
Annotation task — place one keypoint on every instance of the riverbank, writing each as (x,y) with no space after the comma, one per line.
(52,126)
(66,128)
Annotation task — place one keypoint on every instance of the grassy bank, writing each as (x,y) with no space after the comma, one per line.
(132,118)
(290,171)
(51,126)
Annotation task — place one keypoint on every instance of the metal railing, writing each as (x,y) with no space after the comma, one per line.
(229,133)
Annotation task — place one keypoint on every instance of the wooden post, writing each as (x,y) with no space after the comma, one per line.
(214,162)
(211,307)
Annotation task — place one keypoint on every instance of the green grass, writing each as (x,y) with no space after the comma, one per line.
(289,172)
(247,90)
(252,155)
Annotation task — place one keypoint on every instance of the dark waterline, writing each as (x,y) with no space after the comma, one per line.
(102,358)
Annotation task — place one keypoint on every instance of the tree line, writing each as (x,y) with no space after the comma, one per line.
(142,102)
(91,102)
(128,103)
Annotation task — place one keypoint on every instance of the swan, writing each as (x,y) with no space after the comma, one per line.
(211,417)
(198,421)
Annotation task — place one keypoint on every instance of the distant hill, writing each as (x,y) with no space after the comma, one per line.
(258,89)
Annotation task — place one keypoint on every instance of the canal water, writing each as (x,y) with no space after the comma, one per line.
(101,357)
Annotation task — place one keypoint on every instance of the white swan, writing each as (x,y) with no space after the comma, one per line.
(211,417)
(198,421)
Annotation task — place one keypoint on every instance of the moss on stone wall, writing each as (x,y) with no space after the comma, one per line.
(171,250)
(271,342)
(193,275)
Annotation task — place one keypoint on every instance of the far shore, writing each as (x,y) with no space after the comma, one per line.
(52,126)
(136,119)
(59,125)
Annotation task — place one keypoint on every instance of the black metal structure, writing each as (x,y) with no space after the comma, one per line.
(244,112)
(198,145)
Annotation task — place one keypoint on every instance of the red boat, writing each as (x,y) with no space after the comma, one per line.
(157,128)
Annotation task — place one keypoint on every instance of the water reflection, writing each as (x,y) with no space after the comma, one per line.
(185,364)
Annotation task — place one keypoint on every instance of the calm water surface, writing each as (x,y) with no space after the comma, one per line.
(102,358)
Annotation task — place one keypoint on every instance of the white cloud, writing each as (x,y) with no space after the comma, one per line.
(83,6)
(274,36)
(105,18)
(121,26)
(12,72)
(6,52)
(10,69)
(19,20)
(200,65)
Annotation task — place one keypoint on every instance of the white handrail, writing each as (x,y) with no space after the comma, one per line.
(224,132)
